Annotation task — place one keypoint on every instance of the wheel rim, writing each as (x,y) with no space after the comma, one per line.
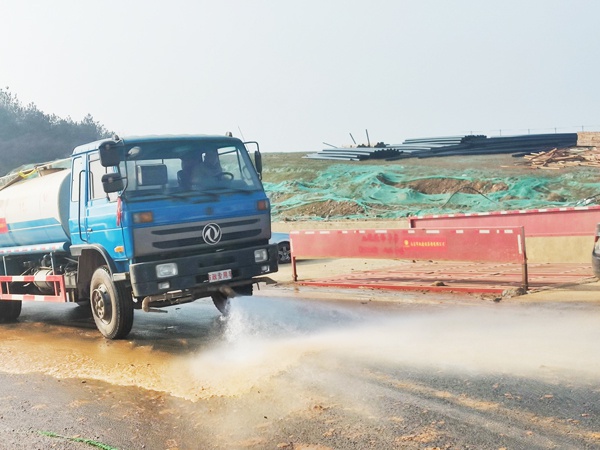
(101,305)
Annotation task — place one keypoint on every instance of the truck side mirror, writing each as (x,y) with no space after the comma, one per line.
(112,182)
(110,154)
(258,162)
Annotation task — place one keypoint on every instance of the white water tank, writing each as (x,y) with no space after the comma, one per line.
(36,210)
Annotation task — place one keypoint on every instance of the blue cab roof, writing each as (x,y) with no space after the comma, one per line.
(153,138)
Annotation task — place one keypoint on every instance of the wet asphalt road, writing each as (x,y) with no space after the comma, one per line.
(306,374)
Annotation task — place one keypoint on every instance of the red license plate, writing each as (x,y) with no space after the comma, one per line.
(220,275)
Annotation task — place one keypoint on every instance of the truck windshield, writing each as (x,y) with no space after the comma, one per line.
(187,169)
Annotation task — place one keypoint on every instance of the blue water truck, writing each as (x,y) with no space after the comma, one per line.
(136,223)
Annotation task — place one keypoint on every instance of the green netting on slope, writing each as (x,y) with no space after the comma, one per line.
(373,191)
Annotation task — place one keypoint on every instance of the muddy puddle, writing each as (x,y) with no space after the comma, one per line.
(192,353)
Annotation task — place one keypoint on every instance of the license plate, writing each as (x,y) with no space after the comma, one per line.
(220,275)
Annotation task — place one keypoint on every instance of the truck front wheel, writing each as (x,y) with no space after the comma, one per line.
(10,310)
(112,306)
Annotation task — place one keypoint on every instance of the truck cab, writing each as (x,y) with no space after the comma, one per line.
(162,220)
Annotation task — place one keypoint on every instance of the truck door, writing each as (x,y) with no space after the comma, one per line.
(101,223)
(78,196)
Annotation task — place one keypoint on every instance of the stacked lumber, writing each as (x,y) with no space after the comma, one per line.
(588,139)
(558,158)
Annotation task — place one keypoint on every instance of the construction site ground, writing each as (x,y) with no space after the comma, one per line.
(385,280)
(559,267)
(553,261)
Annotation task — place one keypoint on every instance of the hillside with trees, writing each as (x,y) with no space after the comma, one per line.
(29,136)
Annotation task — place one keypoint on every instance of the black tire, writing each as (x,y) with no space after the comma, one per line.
(222,303)
(111,304)
(284,253)
(10,310)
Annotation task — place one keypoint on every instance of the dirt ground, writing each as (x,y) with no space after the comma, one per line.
(303,373)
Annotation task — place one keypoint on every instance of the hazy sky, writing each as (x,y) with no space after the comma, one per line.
(292,75)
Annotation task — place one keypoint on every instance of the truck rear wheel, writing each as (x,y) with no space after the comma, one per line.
(10,310)
(112,307)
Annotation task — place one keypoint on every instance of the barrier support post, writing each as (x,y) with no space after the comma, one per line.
(525,276)
(524,253)
(294,273)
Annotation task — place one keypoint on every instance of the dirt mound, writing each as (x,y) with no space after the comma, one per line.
(440,185)
(324,210)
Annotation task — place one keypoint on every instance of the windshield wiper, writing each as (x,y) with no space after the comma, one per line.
(183,196)
(227,190)
(186,195)
(144,195)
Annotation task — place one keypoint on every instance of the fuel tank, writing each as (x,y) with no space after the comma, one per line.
(35,211)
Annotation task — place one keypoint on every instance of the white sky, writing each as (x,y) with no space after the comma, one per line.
(294,74)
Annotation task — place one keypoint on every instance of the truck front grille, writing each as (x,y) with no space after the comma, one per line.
(188,236)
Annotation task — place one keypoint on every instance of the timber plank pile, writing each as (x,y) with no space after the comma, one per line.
(559,158)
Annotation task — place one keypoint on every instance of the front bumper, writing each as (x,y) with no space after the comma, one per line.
(193,271)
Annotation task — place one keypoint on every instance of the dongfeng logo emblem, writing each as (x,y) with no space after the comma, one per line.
(212,234)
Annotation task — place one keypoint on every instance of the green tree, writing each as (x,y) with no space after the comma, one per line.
(29,136)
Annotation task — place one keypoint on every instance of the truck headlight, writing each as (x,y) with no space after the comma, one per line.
(143,217)
(261,255)
(166,270)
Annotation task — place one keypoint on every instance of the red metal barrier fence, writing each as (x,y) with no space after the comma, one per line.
(506,244)
(575,221)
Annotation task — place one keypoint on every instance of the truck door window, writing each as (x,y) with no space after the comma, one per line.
(232,162)
(76,178)
(96,190)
